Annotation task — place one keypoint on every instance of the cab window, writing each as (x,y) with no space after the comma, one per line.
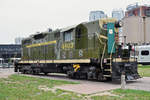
(134,53)
(67,36)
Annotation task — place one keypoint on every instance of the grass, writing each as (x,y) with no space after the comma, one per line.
(19,87)
(125,95)
(144,71)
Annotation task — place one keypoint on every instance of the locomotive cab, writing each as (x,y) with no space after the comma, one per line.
(124,63)
(118,60)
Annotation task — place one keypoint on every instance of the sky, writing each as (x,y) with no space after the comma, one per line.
(21,18)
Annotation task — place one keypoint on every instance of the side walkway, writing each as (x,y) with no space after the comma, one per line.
(5,72)
(94,87)
(140,84)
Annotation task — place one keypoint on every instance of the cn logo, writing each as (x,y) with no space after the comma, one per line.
(110,31)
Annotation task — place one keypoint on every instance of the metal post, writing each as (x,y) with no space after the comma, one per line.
(18,71)
(123,81)
(144,29)
(124,40)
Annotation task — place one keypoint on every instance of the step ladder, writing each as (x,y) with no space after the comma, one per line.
(107,67)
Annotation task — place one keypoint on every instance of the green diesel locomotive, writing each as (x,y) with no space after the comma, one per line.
(88,50)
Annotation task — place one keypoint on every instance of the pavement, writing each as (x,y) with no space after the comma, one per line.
(95,87)
(92,87)
(89,87)
(5,72)
(86,86)
(140,84)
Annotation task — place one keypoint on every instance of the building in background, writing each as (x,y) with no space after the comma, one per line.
(9,51)
(136,29)
(18,40)
(138,10)
(96,15)
(136,24)
(132,6)
(119,15)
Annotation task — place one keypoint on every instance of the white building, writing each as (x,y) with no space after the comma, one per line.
(119,15)
(96,15)
(132,6)
(18,40)
(136,29)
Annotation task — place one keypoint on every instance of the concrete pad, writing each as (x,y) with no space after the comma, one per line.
(5,72)
(140,84)
(88,88)
(94,87)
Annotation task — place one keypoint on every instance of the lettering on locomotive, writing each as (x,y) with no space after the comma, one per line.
(69,45)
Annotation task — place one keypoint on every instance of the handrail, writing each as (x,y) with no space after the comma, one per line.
(103,55)
(99,38)
(103,49)
(111,54)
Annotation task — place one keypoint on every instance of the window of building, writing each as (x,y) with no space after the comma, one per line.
(130,13)
(148,12)
(138,12)
(67,36)
(145,52)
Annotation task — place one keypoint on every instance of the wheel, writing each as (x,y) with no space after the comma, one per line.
(24,71)
(69,74)
(36,71)
(108,79)
(76,76)
(101,77)
(45,73)
(31,71)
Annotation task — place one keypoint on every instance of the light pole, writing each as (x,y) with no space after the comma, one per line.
(144,29)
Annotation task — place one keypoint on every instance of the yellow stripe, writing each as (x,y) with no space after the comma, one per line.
(107,69)
(123,60)
(107,75)
(41,44)
(73,61)
(58,61)
(104,37)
